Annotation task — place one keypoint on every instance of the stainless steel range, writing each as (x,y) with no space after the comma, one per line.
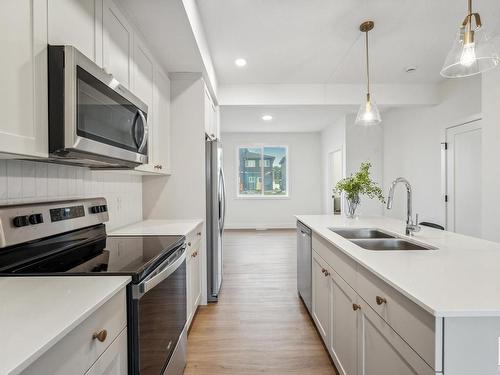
(69,238)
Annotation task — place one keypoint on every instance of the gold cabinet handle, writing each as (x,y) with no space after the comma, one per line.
(323,271)
(195,254)
(199,233)
(101,335)
(355,306)
(380,300)
(327,273)
(189,243)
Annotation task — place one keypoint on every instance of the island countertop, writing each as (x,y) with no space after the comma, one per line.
(459,279)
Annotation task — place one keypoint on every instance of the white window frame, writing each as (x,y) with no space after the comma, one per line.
(262,195)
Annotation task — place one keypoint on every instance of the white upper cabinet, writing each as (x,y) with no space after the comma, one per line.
(77,23)
(152,86)
(23,77)
(117,44)
(161,132)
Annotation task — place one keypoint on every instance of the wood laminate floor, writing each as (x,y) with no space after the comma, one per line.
(259,325)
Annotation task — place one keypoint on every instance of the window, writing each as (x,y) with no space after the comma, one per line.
(262,171)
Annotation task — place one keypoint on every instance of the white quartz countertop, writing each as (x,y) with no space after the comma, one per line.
(36,312)
(158,228)
(459,279)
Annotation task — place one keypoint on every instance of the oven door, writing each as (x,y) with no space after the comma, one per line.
(160,303)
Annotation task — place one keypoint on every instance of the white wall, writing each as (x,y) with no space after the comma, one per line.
(26,181)
(490,178)
(365,144)
(181,195)
(304,172)
(332,139)
(412,146)
(359,144)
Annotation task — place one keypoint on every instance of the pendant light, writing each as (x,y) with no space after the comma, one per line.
(368,113)
(472,52)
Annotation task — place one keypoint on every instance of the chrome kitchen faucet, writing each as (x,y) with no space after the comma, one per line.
(411,227)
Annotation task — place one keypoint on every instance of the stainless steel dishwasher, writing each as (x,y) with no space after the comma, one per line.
(304,264)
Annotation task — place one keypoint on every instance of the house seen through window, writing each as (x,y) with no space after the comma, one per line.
(263,171)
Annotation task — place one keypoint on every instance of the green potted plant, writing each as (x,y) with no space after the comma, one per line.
(358,184)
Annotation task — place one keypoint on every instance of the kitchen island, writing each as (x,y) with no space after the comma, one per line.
(405,311)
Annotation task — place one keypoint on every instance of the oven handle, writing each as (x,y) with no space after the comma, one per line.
(164,270)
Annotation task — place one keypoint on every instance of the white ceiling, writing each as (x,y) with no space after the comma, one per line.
(318,41)
(248,119)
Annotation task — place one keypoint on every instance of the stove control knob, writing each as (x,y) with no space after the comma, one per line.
(20,221)
(35,219)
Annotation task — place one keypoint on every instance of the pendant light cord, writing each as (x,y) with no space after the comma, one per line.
(367,68)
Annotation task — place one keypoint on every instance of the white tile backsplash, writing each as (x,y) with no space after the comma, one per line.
(26,181)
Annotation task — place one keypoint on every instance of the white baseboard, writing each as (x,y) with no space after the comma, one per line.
(260,226)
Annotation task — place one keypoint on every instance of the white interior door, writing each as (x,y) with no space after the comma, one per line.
(463,182)
(335,174)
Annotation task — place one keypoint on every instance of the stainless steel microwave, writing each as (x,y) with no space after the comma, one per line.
(94,121)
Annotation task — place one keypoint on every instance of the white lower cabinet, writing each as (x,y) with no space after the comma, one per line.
(114,360)
(321,296)
(358,339)
(384,351)
(97,346)
(194,272)
(343,342)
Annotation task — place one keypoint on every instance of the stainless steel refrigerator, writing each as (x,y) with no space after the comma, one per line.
(216,212)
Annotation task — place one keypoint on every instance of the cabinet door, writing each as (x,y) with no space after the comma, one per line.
(23,77)
(117,44)
(161,131)
(114,360)
(321,296)
(78,23)
(189,288)
(196,278)
(344,325)
(384,351)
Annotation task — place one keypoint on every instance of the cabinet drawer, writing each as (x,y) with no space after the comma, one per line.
(77,351)
(421,330)
(341,263)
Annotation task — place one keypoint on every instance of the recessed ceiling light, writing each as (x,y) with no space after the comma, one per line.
(240,62)
(267,117)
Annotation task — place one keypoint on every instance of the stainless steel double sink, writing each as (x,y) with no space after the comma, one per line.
(378,240)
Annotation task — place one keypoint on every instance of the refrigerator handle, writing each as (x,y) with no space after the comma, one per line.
(223,190)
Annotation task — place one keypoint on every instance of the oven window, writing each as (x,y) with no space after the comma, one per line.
(162,317)
(107,117)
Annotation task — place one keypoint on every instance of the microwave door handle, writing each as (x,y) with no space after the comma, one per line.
(150,283)
(134,129)
(145,131)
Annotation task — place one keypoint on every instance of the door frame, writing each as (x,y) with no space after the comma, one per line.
(444,160)
(328,177)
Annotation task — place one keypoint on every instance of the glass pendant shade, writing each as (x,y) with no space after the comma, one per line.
(472,51)
(368,113)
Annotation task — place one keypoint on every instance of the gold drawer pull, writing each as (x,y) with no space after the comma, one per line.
(380,300)
(355,306)
(101,335)
(325,272)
